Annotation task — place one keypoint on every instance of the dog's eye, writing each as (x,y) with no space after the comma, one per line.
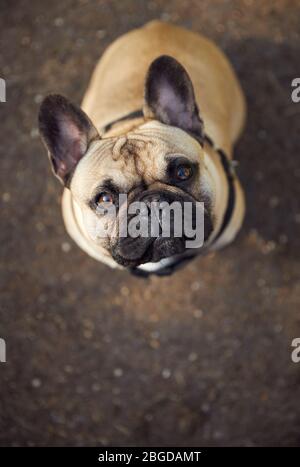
(183,172)
(104,198)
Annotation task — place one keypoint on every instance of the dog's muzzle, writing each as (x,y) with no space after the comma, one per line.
(159,238)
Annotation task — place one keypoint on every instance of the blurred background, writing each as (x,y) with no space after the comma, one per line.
(99,357)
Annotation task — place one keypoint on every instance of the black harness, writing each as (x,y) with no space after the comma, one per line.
(229,172)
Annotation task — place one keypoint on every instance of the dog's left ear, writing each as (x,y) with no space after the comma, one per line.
(67,132)
(169,96)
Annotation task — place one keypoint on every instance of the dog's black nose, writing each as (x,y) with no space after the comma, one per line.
(156,230)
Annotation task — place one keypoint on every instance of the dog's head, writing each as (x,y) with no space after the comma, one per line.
(159,162)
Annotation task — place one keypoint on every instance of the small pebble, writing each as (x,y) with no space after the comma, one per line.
(39,226)
(166,373)
(58,22)
(118,372)
(155,334)
(36,383)
(34,133)
(66,247)
(68,369)
(6,197)
(66,277)
(198,314)
(192,357)
(268,247)
(205,407)
(101,33)
(38,98)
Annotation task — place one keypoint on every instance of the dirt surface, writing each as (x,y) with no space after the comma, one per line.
(98,357)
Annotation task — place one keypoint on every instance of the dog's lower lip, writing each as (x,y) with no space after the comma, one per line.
(167,247)
(123,261)
(160,248)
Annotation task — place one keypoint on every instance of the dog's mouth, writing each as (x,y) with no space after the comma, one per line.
(147,251)
(166,228)
(134,251)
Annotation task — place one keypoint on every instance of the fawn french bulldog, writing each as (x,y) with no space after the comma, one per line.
(158,123)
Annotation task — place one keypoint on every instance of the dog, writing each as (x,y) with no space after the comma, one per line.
(158,123)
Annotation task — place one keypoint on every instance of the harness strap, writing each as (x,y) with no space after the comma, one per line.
(135,114)
(228,167)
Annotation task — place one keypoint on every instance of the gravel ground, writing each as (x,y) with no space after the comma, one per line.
(98,357)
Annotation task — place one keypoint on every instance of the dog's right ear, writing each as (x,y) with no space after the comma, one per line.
(170,98)
(67,132)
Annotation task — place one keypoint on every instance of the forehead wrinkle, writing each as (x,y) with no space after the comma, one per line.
(140,152)
(158,145)
(118,147)
(157,139)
